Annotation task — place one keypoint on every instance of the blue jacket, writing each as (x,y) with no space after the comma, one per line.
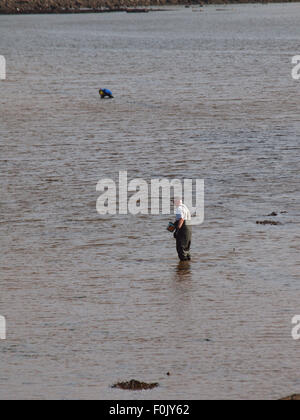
(107,91)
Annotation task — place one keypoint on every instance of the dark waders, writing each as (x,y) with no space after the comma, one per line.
(183,242)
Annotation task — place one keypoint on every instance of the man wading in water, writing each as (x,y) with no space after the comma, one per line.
(183,232)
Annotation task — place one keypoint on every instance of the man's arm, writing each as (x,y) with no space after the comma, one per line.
(180,223)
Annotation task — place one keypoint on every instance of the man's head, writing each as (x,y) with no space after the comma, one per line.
(177,201)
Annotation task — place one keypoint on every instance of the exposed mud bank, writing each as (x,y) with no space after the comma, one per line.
(101,6)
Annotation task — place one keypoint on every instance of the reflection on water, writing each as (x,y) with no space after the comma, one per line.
(92,300)
(183,271)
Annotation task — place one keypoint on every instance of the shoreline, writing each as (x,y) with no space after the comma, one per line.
(27,7)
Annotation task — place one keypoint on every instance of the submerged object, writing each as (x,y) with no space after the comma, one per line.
(268,222)
(134,385)
(105,93)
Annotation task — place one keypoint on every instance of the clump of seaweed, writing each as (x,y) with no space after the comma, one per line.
(273,214)
(294,397)
(134,385)
(268,222)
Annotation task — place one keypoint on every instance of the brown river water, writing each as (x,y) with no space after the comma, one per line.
(91,300)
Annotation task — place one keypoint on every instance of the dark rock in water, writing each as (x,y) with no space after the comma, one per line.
(134,385)
(294,397)
(273,214)
(268,222)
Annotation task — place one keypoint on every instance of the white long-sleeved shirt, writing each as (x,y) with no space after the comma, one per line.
(182,212)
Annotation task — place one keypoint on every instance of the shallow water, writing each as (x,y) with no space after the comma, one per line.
(92,300)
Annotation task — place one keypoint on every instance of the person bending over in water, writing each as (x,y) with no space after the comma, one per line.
(183,232)
(105,93)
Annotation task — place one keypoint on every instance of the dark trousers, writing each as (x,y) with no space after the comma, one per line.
(183,242)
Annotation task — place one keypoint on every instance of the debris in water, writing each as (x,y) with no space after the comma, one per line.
(273,214)
(268,222)
(134,385)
